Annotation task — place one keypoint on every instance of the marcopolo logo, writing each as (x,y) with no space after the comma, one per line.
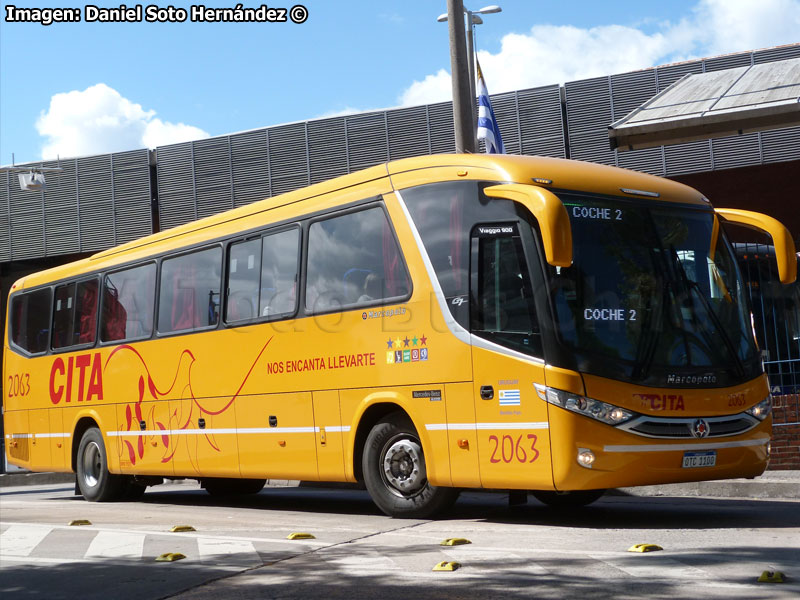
(676,379)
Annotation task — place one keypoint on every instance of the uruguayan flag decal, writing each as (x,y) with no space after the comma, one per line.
(509,397)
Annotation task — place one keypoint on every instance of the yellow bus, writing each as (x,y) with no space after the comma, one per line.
(423,326)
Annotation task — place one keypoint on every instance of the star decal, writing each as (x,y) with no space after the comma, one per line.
(423,340)
(397,342)
(415,340)
(389,343)
(405,341)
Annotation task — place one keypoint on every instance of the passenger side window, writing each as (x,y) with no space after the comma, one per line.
(75,314)
(128,304)
(262,277)
(280,258)
(30,320)
(189,291)
(503,308)
(244,270)
(354,260)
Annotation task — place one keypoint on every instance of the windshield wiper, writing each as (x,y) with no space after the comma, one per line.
(692,285)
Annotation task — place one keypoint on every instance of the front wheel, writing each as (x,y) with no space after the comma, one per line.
(94,481)
(395,473)
(567,499)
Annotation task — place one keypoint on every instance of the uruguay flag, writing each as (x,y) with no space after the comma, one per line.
(488,131)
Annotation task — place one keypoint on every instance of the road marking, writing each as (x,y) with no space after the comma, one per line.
(107,544)
(653,567)
(161,532)
(20,540)
(239,550)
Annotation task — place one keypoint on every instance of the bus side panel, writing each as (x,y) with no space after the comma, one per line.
(330,447)
(205,441)
(512,422)
(18,443)
(276,436)
(462,435)
(60,441)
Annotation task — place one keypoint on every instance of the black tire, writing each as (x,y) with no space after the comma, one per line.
(232,487)
(394,471)
(567,499)
(96,484)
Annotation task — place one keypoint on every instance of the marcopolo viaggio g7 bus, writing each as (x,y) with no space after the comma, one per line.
(423,326)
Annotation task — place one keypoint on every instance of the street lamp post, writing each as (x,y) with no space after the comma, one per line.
(462,107)
(473,18)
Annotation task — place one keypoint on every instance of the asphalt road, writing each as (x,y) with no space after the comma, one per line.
(712,547)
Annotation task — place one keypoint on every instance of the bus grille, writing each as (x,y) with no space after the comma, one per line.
(667,428)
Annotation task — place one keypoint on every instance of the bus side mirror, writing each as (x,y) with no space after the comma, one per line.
(549,212)
(781,238)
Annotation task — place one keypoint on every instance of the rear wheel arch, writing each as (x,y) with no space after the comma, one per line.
(369,418)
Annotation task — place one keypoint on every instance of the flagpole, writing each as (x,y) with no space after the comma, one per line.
(462,116)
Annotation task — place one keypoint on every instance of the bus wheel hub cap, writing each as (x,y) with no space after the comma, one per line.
(403,466)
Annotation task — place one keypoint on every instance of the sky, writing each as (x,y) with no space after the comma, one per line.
(76,89)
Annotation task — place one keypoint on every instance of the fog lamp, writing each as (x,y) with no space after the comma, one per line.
(585,457)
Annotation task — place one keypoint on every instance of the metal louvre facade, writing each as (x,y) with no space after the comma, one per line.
(270,161)
(95,203)
(101,201)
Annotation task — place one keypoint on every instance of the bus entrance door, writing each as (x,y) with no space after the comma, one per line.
(511,421)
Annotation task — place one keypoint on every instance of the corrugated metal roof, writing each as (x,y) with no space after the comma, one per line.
(698,106)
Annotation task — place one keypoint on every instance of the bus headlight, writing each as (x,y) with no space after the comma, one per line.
(588,407)
(761,410)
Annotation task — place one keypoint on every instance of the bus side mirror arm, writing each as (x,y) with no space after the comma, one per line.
(551,214)
(781,238)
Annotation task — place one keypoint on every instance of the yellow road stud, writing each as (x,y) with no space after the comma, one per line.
(170,557)
(300,536)
(771,577)
(182,528)
(446,566)
(80,522)
(455,542)
(644,548)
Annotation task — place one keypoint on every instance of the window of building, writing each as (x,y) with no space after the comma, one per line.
(189,291)
(354,260)
(30,320)
(128,304)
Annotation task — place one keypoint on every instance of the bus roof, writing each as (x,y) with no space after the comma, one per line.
(564,174)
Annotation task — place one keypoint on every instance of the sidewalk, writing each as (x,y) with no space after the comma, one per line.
(772,484)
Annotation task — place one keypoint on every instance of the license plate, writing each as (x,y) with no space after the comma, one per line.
(692,460)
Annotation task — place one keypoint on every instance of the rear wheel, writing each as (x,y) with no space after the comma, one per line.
(96,484)
(395,473)
(232,487)
(567,499)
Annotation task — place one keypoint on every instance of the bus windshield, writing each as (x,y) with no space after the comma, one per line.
(653,295)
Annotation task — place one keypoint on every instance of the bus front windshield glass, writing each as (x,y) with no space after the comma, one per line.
(653,295)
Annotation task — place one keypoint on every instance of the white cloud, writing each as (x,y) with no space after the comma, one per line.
(550,54)
(99,119)
(734,25)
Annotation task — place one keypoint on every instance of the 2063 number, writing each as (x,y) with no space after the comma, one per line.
(507,449)
(19,385)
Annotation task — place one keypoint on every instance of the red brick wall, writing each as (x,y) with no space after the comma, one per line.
(785,432)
